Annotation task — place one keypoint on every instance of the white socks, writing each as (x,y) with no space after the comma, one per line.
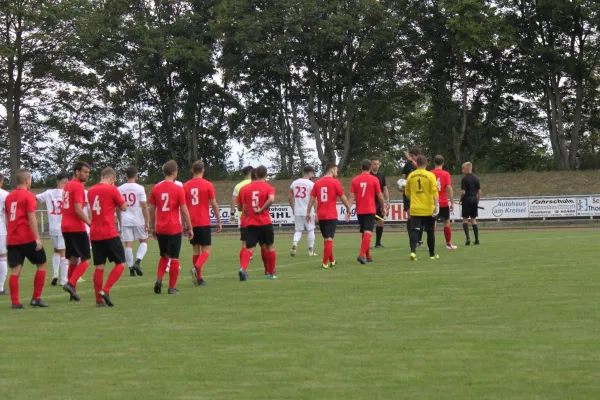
(141,253)
(297,237)
(129,256)
(3,272)
(64,271)
(55,265)
(311,239)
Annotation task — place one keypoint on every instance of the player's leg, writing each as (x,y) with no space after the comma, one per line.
(141,253)
(379,228)
(465,223)
(243,242)
(37,258)
(174,248)
(128,238)
(116,254)
(79,248)
(429,227)
(163,261)
(204,249)
(367,225)
(98,280)
(310,229)
(445,216)
(64,262)
(3,264)
(475,227)
(55,265)
(268,239)
(299,228)
(15,263)
(416,225)
(251,240)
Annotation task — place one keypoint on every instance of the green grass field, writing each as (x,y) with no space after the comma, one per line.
(516,318)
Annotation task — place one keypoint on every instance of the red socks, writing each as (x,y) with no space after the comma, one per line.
(200,261)
(13,284)
(448,234)
(162,267)
(173,274)
(78,273)
(98,280)
(113,277)
(71,269)
(265,258)
(365,244)
(242,251)
(246,254)
(38,283)
(195,258)
(327,252)
(272,256)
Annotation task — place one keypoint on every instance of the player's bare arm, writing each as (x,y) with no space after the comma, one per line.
(187,220)
(267,204)
(291,200)
(311,203)
(34,227)
(450,195)
(152,225)
(234,200)
(145,214)
(215,208)
(82,215)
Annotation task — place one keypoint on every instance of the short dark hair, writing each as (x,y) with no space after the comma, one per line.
(253,174)
(421,161)
(169,168)
(80,165)
(308,169)
(374,159)
(61,176)
(22,175)
(415,151)
(261,172)
(131,172)
(108,172)
(247,170)
(438,160)
(329,167)
(366,165)
(198,167)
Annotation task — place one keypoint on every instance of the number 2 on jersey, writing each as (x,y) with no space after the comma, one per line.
(165,198)
(300,192)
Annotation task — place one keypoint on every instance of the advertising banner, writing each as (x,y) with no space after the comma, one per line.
(552,207)
(588,206)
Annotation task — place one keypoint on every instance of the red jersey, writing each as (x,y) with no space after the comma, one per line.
(167,197)
(327,190)
(198,194)
(104,199)
(240,204)
(443,181)
(365,188)
(17,205)
(256,194)
(74,192)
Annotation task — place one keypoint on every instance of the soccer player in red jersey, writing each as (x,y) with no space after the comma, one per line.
(199,194)
(167,204)
(104,199)
(23,240)
(73,226)
(444,185)
(257,198)
(325,193)
(365,188)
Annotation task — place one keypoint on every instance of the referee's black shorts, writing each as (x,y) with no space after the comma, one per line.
(169,245)
(379,211)
(469,208)
(366,222)
(328,228)
(77,244)
(109,249)
(262,235)
(406,202)
(426,223)
(17,254)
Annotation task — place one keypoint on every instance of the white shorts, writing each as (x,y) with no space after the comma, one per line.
(301,224)
(133,233)
(58,242)
(3,244)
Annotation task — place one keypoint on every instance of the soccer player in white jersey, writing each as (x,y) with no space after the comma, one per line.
(298,197)
(178,183)
(134,221)
(3,250)
(53,199)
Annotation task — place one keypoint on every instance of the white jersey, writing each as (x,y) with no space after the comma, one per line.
(301,189)
(3,195)
(53,199)
(133,194)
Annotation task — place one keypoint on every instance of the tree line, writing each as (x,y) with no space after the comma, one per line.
(507,84)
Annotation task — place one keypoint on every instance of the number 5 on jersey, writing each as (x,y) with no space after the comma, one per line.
(255,199)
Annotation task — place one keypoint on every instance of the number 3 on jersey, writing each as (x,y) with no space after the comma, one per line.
(195,199)
(300,192)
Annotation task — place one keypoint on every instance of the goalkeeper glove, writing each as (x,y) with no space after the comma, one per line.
(436,210)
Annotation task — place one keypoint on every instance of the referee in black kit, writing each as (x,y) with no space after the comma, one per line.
(386,195)
(410,166)
(470,195)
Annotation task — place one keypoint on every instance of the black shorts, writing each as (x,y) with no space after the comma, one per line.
(406,203)
(426,224)
(111,249)
(366,222)
(263,235)
(169,245)
(77,244)
(444,214)
(328,228)
(202,236)
(469,209)
(243,234)
(379,211)
(17,254)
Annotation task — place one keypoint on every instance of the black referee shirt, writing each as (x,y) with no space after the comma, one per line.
(470,184)
(381,178)
(408,168)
